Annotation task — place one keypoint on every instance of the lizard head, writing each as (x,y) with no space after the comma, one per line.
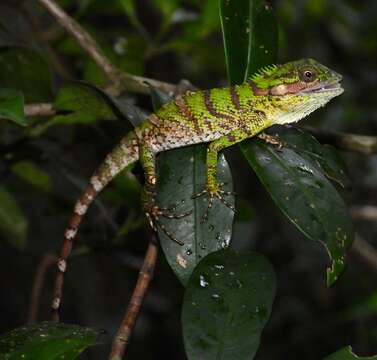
(296,89)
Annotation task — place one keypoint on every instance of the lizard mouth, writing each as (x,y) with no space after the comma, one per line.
(325,87)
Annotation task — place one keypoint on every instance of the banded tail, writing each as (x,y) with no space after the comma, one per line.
(126,153)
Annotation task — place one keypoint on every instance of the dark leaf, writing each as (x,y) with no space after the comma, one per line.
(250,37)
(14,27)
(47,341)
(227,303)
(306,197)
(12,106)
(25,70)
(347,354)
(30,173)
(13,223)
(182,173)
(324,156)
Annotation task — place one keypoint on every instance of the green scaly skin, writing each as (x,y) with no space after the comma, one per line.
(222,117)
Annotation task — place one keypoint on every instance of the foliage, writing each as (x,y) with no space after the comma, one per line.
(47,341)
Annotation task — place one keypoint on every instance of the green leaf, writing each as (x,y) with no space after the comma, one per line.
(12,106)
(81,103)
(167,7)
(250,37)
(226,305)
(325,157)
(13,223)
(306,197)
(128,6)
(25,70)
(31,174)
(347,354)
(47,341)
(182,173)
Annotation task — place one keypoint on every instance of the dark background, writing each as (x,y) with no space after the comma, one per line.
(173,40)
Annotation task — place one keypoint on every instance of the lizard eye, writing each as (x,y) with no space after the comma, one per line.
(307,75)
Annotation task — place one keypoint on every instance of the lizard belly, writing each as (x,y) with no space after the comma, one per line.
(172,135)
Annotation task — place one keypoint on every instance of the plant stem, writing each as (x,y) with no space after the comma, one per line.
(123,335)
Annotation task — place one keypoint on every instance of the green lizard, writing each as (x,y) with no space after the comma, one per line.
(222,117)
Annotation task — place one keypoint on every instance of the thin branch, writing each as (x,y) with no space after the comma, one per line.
(365,252)
(123,335)
(43,109)
(45,264)
(351,142)
(119,80)
(367,212)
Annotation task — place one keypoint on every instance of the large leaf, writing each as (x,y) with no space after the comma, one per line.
(25,70)
(347,354)
(250,37)
(227,303)
(306,197)
(47,341)
(12,106)
(182,174)
(13,223)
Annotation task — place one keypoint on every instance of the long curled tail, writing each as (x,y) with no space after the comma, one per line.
(126,153)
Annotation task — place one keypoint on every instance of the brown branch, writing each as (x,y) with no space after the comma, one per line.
(119,80)
(43,109)
(123,335)
(365,252)
(367,212)
(351,142)
(45,264)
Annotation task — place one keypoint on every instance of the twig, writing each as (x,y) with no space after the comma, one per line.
(119,80)
(43,109)
(122,337)
(367,212)
(365,252)
(45,264)
(352,142)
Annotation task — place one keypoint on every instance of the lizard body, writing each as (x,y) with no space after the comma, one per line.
(221,117)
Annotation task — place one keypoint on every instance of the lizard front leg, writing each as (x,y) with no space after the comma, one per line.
(213,189)
(152,211)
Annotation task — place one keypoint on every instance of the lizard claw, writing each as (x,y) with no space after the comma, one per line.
(153,213)
(216,193)
(272,139)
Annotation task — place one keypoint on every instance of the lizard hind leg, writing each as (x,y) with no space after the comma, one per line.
(153,212)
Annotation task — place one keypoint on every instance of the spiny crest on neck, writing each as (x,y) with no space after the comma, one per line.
(264,71)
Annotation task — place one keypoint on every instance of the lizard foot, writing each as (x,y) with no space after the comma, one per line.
(271,139)
(153,213)
(214,193)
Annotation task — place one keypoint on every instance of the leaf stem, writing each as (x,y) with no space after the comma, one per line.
(42,109)
(351,142)
(123,335)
